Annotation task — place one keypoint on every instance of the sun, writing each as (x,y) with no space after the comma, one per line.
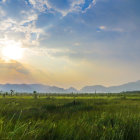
(12,52)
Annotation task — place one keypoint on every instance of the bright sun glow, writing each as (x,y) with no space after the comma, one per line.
(12,51)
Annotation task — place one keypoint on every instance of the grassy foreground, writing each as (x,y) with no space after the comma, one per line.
(69,117)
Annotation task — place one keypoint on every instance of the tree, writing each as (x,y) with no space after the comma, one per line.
(12,92)
(35,94)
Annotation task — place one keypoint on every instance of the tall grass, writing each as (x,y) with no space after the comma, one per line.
(63,119)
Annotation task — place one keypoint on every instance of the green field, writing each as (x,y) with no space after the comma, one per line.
(70,117)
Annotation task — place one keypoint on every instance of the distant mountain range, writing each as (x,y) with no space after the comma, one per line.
(29,88)
(131,86)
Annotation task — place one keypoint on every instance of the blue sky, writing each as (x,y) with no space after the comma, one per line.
(71,42)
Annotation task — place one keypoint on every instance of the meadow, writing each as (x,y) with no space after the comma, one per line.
(70,116)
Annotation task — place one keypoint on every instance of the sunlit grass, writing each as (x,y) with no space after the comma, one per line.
(70,117)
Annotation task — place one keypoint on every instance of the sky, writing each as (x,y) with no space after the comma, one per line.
(69,42)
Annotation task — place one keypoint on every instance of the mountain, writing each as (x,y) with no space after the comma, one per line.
(93,89)
(131,86)
(16,87)
(71,90)
(29,88)
(40,88)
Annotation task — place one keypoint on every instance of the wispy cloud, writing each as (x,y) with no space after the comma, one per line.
(109,29)
(64,6)
(25,26)
(4,1)
(89,6)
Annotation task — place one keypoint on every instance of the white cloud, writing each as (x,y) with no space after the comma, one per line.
(102,27)
(110,29)
(90,6)
(4,1)
(38,4)
(73,6)
(25,26)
